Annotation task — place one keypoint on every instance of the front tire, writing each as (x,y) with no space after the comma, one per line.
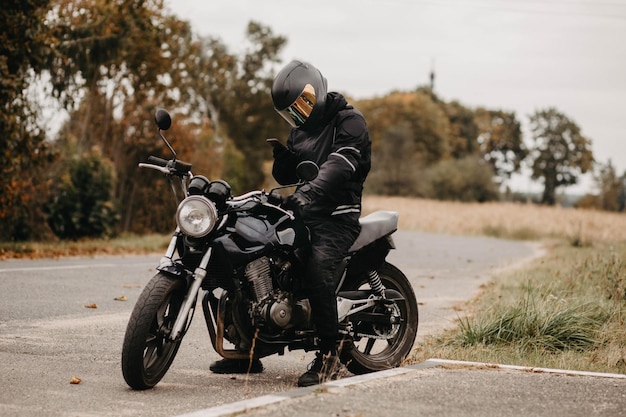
(148,352)
(370,354)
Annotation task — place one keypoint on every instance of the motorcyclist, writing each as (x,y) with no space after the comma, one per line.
(333,134)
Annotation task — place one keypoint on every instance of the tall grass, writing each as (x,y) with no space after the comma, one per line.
(567,310)
(534,323)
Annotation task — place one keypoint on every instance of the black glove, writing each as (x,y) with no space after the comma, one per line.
(277,146)
(297,202)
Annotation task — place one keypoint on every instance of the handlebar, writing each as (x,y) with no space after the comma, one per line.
(172,167)
(157,161)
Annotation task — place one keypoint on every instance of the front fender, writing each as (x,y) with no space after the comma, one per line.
(176,270)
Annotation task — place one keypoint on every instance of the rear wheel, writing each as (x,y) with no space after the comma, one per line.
(148,352)
(378,346)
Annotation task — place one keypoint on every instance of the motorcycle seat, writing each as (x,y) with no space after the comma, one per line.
(374,226)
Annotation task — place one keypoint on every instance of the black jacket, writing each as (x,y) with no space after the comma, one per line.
(340,145)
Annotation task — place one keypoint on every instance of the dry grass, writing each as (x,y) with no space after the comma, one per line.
(89,247)
(505,220)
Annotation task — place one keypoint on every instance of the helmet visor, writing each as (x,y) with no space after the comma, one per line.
(299,111)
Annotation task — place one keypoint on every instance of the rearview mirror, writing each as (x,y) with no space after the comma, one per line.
(163,119)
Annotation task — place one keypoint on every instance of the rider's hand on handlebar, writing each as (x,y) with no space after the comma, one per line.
(275,198)
(297,202)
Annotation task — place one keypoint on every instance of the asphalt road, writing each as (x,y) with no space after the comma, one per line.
(48,335)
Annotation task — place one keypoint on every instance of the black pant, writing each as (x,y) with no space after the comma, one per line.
(330,241)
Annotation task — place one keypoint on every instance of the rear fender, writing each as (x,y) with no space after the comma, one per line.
(369,258)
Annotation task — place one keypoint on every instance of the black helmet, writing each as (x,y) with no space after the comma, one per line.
(299,93)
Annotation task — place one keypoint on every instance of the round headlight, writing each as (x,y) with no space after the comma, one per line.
(196,216)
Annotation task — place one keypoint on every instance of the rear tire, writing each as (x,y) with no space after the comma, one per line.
(365,354)
(147,352)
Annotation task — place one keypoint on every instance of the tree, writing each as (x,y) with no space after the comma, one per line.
(560,153)
(422,119)
(24,45)
(234,91)
(463,129)
(110,67)
(155,60)
(611,187)
(112,45)
(394,167)
(500,141)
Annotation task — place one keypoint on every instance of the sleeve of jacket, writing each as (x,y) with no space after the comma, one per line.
(344,162)
(285,163)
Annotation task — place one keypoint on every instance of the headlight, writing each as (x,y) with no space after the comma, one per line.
(196,216)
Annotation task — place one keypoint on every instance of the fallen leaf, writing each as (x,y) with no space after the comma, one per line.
(75,380)
(94,305)
(120,298)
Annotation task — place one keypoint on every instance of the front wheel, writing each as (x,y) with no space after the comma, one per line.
(379,346)
(148,352)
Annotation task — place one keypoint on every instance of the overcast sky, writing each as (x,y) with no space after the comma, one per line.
(515,55)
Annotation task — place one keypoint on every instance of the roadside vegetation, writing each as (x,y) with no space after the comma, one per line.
(123,245)
(565,310)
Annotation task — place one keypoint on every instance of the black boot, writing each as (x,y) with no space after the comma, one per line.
(323,368)
(237,366)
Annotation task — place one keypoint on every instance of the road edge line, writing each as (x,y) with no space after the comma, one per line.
(243,406)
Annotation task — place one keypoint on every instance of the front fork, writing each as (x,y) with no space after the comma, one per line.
(183,319)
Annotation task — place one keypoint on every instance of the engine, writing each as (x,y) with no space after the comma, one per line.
(272,307)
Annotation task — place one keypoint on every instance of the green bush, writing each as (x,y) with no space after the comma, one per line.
(466,179)
(81,203)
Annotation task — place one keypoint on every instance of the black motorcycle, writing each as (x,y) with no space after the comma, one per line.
(244,257)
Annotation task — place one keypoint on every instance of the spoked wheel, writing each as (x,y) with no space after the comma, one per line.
(148,352)
(383,344)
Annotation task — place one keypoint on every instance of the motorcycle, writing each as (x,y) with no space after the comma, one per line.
(243,257)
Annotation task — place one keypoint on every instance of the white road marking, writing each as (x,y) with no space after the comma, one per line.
(64,267)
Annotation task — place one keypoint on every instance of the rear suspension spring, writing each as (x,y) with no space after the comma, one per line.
(375,283)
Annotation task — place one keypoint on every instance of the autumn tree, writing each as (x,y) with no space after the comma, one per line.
(611,187)
(424,122)
(560,153)
(107,68)
(233,89)
(108,45)
(463,130)
(500,141)
(118,61)
(394,170)
(24,46)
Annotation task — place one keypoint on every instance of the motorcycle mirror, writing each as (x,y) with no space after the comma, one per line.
(163,119)
(307,170)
